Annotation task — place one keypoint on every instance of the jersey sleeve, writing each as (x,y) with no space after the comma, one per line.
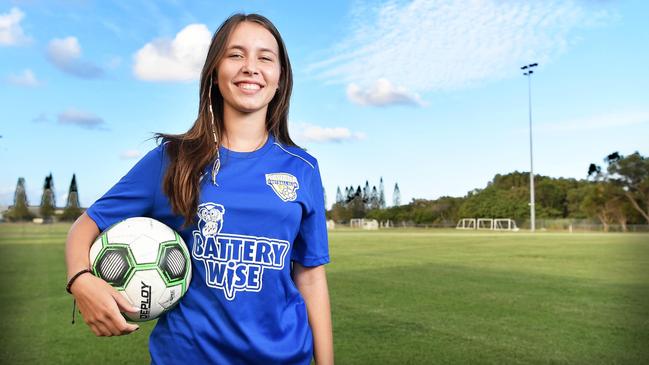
(311,247)
(133,195)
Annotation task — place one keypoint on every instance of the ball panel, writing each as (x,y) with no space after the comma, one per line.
(145,289)
(160,232)
(145,249)
(172,263)
(114,265)
(170,296)
(96,247)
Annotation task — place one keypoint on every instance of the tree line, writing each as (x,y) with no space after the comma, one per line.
(617,193)
(20,210)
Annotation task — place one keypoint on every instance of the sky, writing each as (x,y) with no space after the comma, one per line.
(426,94)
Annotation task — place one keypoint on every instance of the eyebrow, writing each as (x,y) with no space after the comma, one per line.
(236,46)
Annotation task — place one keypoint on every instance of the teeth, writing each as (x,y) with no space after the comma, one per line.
(249,86)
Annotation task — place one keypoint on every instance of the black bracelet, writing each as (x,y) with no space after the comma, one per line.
(74,277)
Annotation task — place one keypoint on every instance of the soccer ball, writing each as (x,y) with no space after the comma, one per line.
(146,261)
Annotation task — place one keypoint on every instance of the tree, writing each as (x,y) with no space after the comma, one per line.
(350,194)
(381,195)
(606,201)
(48,200)
(606,198)
(632,174)
(340,213)
(396,196)
(339,195)
(72,209)
(374,199)
(20,210)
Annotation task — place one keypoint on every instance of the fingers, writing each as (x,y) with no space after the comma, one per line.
(117,323)
(111,324)
(123,304)
(98,328)
(100,308)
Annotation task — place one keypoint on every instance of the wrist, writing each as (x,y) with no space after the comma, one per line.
(74,278)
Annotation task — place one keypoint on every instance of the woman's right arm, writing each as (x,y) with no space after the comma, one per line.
(99,303)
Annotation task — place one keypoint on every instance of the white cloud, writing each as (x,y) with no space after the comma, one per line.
(178,59)
(312,133)
(381,93)
(26,78)
(65,54)
(64,50)
(81,119)
(442,45)
(11,33)
(130,154)
(601,121)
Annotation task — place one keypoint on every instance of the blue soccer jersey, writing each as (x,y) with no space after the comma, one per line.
(242,306)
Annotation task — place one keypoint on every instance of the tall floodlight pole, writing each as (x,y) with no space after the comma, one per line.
(528,72)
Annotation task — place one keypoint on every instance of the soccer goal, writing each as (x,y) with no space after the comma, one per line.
(364,223)
(466,223)
(505,224)
(485,223)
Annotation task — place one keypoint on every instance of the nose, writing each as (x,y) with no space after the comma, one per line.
(250,67)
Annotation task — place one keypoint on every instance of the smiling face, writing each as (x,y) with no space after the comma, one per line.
(249,72)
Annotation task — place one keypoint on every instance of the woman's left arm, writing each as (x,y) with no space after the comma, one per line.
(312,283)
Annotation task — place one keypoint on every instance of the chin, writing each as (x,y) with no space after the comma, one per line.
(251,107)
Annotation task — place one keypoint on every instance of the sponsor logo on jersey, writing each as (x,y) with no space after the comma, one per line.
(284,185)
(233,262)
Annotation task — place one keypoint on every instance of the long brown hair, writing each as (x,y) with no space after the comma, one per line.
(191,151)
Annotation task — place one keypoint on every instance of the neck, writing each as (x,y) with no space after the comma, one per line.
(244,132)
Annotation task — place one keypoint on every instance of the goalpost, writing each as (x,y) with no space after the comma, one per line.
(505,224)
(466,223)
(356,223)
(485,223)
(370,224)
(491,224)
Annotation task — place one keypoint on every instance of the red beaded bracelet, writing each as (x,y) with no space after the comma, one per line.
(74,277)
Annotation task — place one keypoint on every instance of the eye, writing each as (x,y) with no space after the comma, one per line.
(266,58)
(235,55)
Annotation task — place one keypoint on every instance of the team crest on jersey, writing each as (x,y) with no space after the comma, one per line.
(233,262)
(284,185)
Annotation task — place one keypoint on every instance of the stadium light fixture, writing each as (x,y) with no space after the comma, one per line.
(529,89)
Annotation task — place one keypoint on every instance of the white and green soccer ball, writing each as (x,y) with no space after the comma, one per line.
(146,261)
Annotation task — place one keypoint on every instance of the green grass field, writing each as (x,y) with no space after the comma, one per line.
(398,297)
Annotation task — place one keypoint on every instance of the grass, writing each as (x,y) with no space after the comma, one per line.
(398,297)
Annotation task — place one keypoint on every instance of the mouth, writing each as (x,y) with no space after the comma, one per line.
(249,88)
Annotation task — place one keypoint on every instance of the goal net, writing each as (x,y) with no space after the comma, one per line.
(491,224)
(505,224)
(466,223)
(364,223)
(485,223)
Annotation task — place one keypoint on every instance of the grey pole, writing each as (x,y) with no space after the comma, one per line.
(532,198)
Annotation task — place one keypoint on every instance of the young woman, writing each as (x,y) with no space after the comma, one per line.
(234,179)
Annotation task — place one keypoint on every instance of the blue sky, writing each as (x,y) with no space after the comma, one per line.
(428,94)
